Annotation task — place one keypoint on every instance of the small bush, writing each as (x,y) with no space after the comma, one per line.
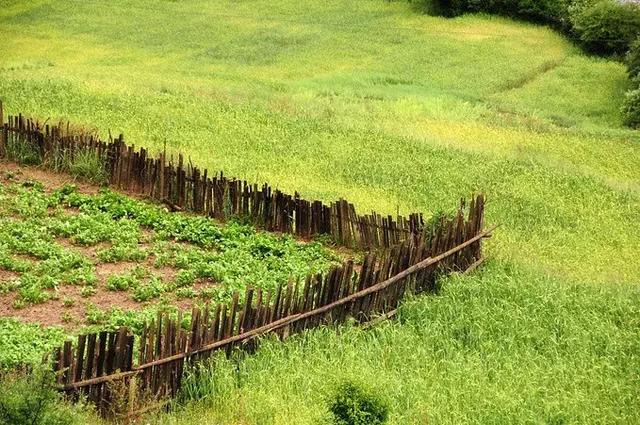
(608,27)
(32,399)
(354,406)
(633,60)
(631,108)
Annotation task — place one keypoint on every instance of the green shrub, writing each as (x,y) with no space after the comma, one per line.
(631,108)
(608,27)
(545,11)
(354,406)
(633,60)
(32,399)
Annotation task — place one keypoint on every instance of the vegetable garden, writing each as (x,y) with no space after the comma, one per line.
(64,239)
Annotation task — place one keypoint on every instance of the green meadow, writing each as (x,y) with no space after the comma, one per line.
(396,111)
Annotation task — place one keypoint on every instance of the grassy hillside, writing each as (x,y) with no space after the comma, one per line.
(395,111)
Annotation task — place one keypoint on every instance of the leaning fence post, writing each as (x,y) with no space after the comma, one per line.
(2,131)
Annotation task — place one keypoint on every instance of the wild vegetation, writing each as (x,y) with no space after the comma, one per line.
(396,111)
(32,398)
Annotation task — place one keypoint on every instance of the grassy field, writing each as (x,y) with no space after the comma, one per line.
(395,111)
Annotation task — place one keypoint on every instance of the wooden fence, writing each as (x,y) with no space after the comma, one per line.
(185,186)
(119,371)
(150,366)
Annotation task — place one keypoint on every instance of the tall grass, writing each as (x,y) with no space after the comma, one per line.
(23,152)
(504,346)
(85,164)
(88,165)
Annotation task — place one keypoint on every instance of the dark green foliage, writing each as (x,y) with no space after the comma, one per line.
(32,399)
(608,27)
(633,61)
(631,108)
(546,11)
(354,406)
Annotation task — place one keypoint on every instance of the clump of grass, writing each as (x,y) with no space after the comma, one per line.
(23,152)
(32,398)
(88,165)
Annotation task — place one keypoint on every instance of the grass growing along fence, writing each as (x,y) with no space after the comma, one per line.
(165,348)
(183,185)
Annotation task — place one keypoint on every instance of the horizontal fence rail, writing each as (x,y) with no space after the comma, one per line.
(182,185)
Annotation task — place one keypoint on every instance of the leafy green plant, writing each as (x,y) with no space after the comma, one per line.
(122,282)
(122,252)
(33,294)
(94,315)
(31,398)
(186,293)
(354,406)
(185,278)
(26,343)
(153,288)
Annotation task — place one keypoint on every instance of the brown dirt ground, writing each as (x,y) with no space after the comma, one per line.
(51,181)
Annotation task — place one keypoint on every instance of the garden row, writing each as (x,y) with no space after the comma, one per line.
(603,27)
